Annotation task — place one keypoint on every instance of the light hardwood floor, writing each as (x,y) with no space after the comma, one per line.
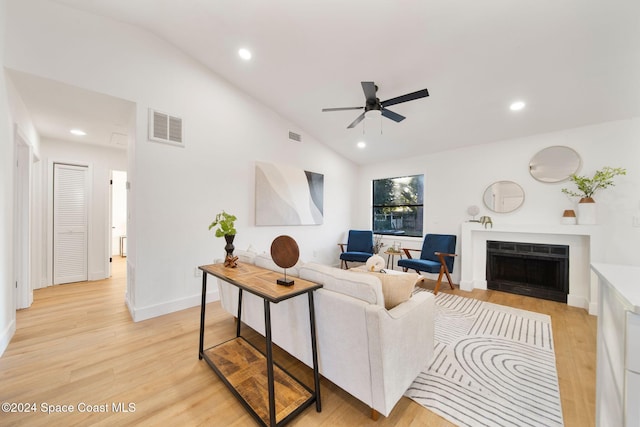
(77,345)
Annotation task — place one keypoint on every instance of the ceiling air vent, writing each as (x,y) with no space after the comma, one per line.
(165,128)
(119,139)
(295,137)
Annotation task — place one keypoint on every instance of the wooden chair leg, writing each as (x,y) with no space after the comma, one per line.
(375,414)
(446,271)
(435,290)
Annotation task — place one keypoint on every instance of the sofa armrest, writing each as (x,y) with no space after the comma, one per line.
(401,343)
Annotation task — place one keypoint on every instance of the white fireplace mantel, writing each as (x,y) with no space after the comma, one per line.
(584,248)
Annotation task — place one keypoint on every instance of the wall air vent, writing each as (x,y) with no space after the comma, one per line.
(119,139)
(165,128)
(295,136)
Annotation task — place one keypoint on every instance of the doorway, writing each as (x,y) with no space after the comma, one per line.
(118,214)
(22,216)
(70,223)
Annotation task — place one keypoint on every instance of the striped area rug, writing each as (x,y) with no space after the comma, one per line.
(493,366)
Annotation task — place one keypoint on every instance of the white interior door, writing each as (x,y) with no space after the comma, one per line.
(22,218)
(70,223)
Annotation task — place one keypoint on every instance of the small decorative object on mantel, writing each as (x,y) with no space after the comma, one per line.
(569,217)
(285,253)
(587,187)
(226,228)
(486,221)
(473,211)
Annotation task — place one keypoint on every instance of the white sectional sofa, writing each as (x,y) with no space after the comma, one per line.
(372,353)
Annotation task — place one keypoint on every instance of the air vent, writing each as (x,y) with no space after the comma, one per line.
(295,137)
(165,128)
(119,139)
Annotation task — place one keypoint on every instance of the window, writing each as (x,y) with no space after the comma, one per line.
(398,205)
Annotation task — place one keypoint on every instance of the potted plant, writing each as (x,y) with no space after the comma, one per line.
(587,187)
(225,223)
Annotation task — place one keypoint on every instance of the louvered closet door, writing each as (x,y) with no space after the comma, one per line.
(70,223)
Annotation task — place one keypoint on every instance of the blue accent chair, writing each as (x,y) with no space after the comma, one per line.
(359,247)
(436,256)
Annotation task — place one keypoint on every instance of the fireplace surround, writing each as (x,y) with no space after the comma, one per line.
(585,246)
(532,269)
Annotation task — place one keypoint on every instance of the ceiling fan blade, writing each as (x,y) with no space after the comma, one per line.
(393,116)
(356,121)
(342,108)
(404,98)
(369,89)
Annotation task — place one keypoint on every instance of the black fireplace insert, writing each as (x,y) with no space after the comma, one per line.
(532,269)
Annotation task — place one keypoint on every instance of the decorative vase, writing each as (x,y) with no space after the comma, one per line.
(230,260)
(587,211)
(229,246)
(569,217)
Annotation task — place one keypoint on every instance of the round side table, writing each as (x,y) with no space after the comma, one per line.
(391,254)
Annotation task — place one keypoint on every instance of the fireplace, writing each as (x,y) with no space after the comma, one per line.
(532,269)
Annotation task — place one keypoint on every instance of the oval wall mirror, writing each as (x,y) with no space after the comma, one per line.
(555,164)
(503,196)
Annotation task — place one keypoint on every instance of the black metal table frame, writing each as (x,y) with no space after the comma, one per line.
(315,394)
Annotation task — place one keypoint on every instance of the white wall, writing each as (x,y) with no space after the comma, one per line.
(101,161)
(7,297)
(175,192)
(457,179)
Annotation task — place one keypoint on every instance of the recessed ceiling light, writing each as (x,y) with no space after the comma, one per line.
(78,132)
(362,144)
(517,106)
(244,54)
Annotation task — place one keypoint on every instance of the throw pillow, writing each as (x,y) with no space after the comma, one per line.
(397,287)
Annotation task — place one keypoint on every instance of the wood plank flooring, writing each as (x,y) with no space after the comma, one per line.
(78,346)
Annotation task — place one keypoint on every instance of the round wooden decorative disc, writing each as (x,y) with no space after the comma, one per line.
(284,251)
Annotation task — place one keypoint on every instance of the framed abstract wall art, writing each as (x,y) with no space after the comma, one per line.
(288,195)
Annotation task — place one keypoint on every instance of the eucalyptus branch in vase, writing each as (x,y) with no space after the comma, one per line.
(588,186)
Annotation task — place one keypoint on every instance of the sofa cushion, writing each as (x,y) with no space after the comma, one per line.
(362,286)
(264,260)
(247,257)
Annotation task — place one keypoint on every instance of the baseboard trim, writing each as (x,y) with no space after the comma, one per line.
(578,301)
(151,311)
(7,334)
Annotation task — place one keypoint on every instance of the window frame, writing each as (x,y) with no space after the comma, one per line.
(394,205)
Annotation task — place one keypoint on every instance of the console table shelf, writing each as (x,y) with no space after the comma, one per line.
(242,367)
(270,394)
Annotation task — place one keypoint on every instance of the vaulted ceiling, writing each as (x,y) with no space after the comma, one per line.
(573,62)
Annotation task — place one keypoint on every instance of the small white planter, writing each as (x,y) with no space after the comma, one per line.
(587,211)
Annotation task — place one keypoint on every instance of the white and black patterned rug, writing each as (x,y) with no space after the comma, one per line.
(493,366)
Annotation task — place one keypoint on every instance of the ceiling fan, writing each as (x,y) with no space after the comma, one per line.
(374,104)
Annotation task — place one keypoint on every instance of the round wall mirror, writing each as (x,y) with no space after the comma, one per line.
(555,164)
(503,196)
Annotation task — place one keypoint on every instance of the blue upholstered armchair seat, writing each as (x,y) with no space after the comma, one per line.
(355,256)
(436,256)
(359,247)
(420,265)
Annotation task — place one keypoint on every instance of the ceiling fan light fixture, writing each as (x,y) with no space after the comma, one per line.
(361,144)
(373,114)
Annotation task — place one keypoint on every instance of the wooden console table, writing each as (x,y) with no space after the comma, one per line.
(241,366)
